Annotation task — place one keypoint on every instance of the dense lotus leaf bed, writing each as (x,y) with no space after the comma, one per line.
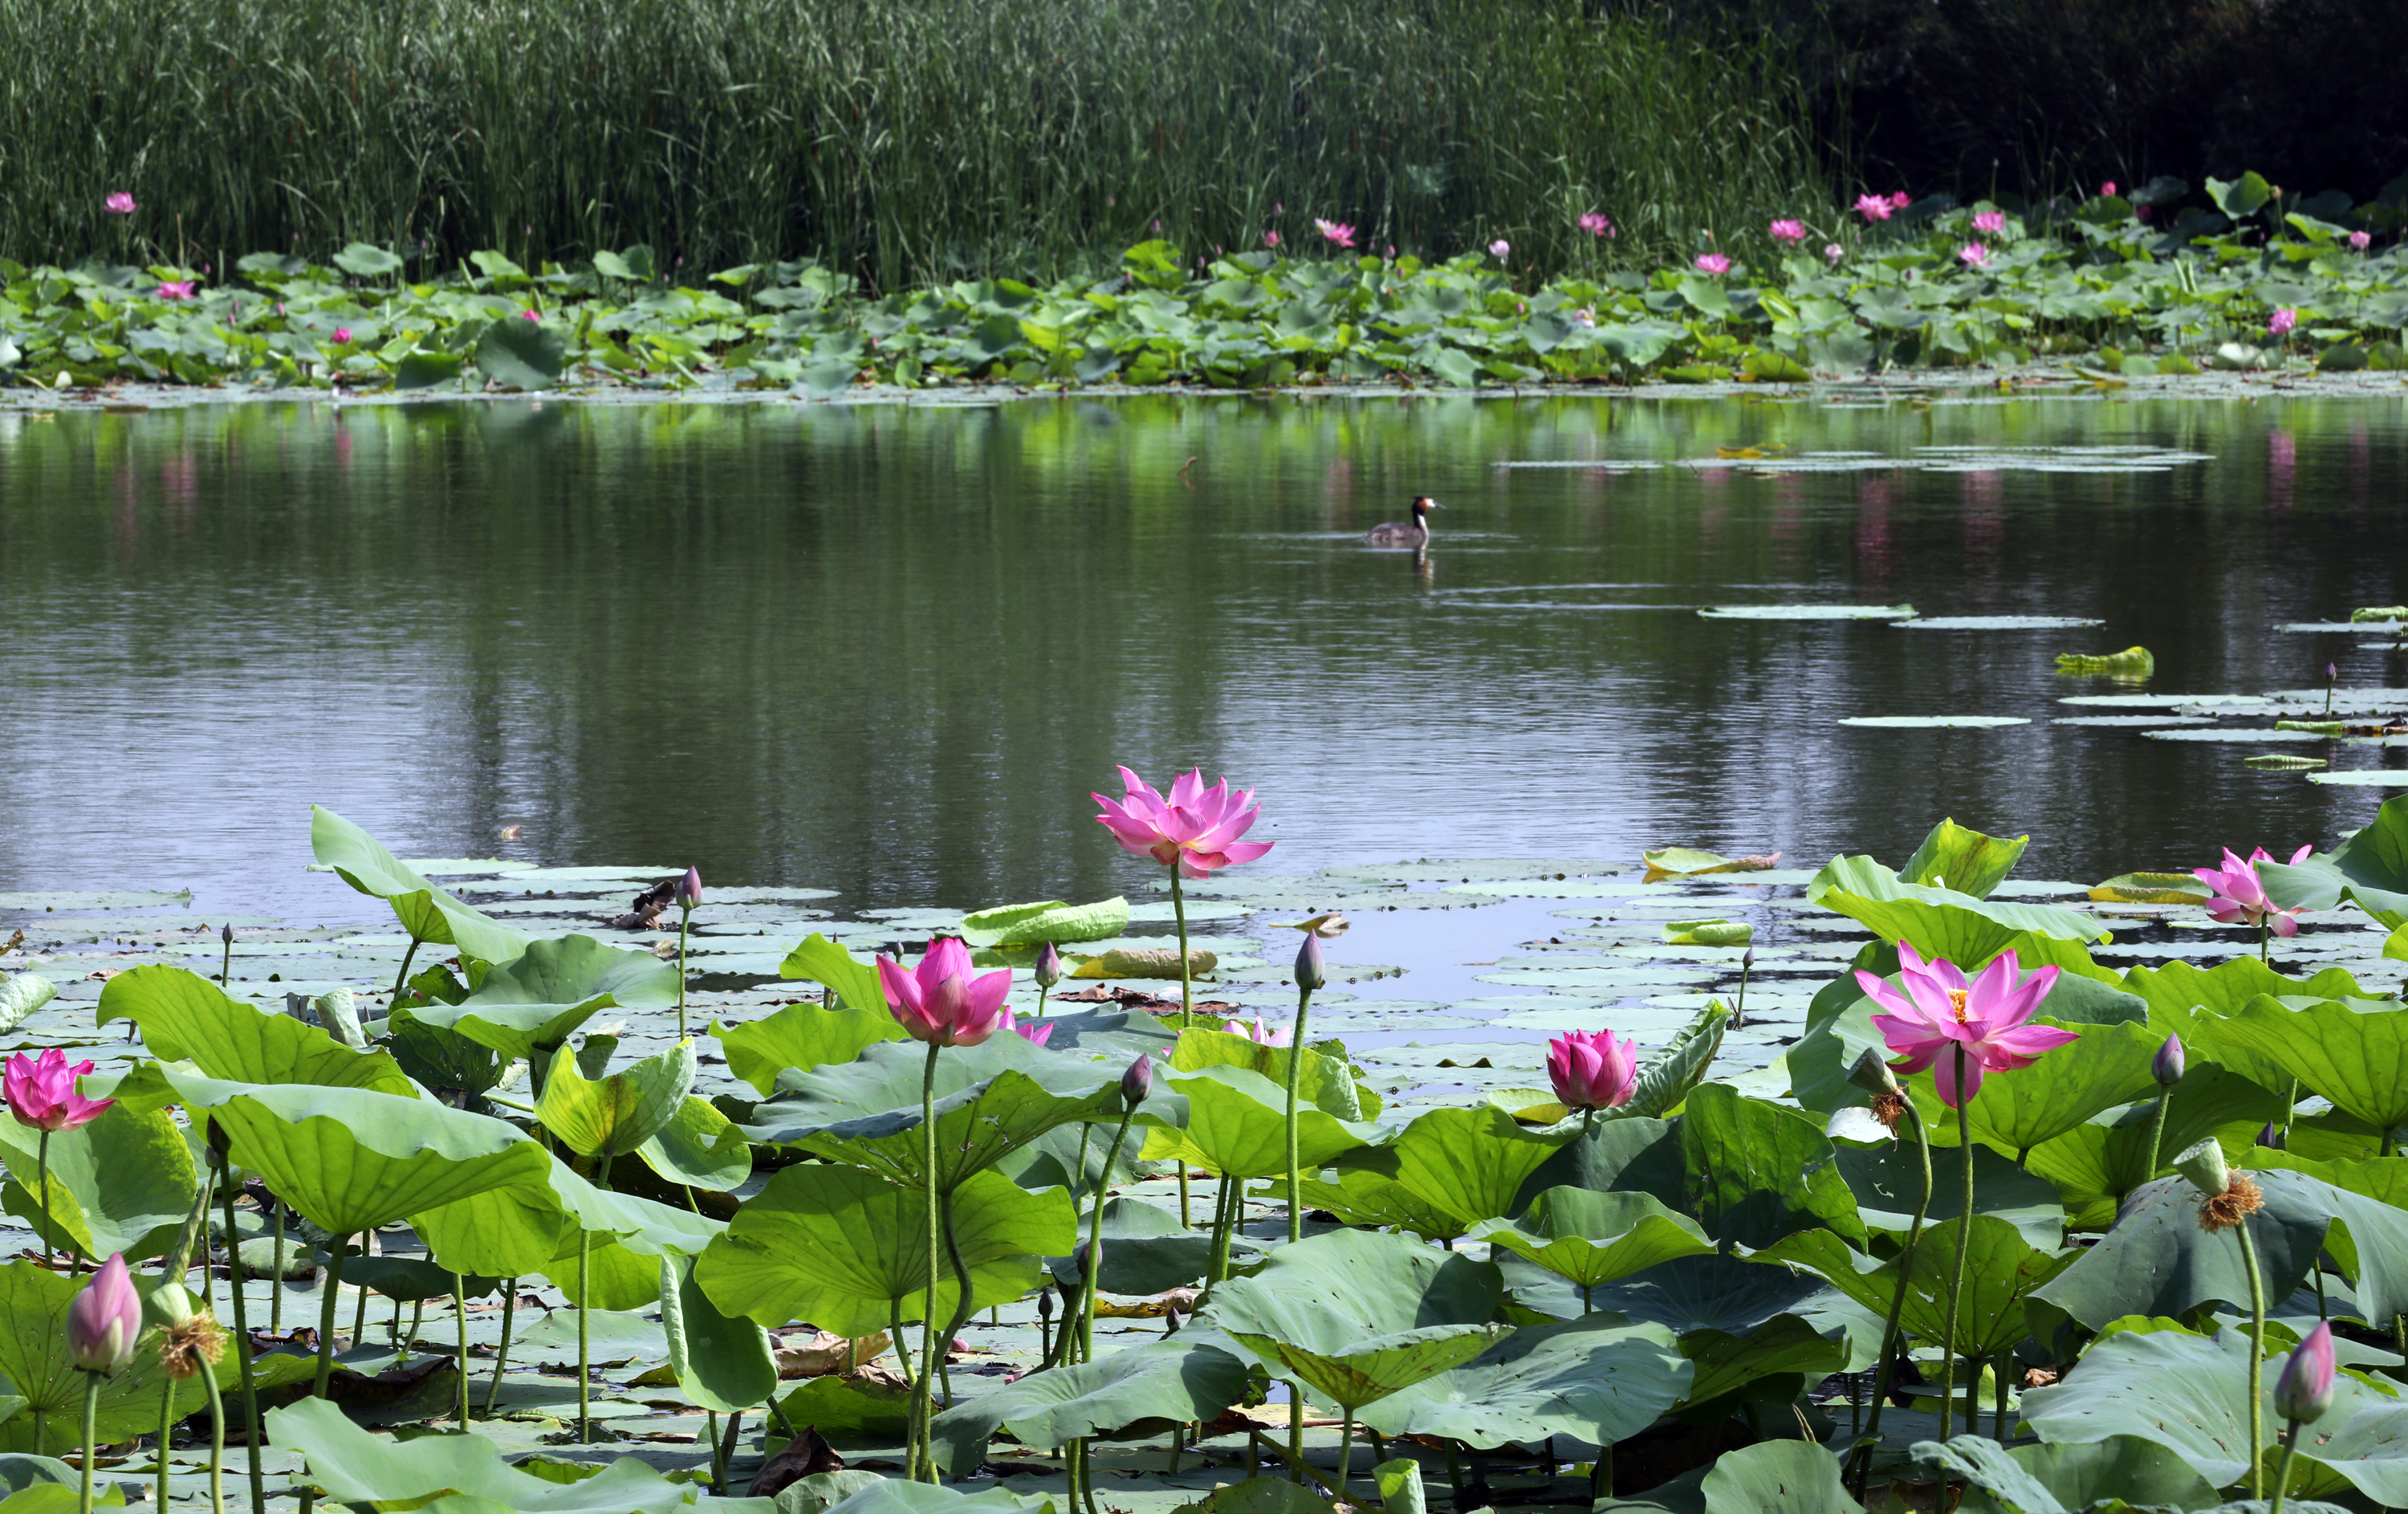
(1453,1017)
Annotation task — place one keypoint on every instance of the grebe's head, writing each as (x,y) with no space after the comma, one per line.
(1423,504)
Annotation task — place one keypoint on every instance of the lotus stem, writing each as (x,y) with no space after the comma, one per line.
(584,1307)
(902,1352)
(1295,1078)
(360,1315)
(2283,1465)
(1096,1241)
(1296,1430)
(1042,990)
(91,1434)
(275,1295)
(502,1352)
(400,979)
(961,1308)
(2264,933)
(1228,1198)
(225,961)
(2257,1360)
(166,1424)
(724,1449)
(1999,1403)
(217,1440)
(1957,1273)
(460,1312)
(1187,1013)
(241,1347)
(711,1438)
(1897,1302)
(417,1324)
(42,1177)
(916,1450)
(685,922)
(330,1286)
(1345,1449)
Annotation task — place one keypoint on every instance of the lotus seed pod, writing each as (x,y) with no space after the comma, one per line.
(1872,1073)
(2204,1165)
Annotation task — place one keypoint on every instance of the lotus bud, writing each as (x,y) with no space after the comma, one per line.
(2274,1137)
(1747,961)
(170,1304)
(1171,1319)
(1079,1262)
(1044,1304)
(105,1319)
(689,889)
(2305,1390)
(2203,1164)
(1138,1081)
(1048,967)
(2332,670)
(225,932)
(1312,973)
(2168,1068)
(1872,1073)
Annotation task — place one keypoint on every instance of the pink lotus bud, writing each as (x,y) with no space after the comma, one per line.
(119,203)
(2280,322)
(2305,1390)
(105,1319)
(42,1093)
(1138,1080)
(2360,242)
(2107,189)
(342,336)
(689,889)
(1590,1070)
(2168,1067)
(1312,973)
(529,315)
(1834,251)
(1048,967)
(1498,248)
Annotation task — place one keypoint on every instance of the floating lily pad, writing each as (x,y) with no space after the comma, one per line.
(2161,702)
(2286,762)
(2150,721)
(69,898)
(1808,611)
(2364,778)
(1935,722)
(1998,623)
(2240,736)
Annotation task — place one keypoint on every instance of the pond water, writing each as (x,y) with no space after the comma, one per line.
(888,650)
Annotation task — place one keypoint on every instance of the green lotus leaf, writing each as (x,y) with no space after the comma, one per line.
(724,1364)
(352,1466)
(426,912)
(1237,1125)
(1754,1170)
(184,1016)
(1772,1476)
(1963,861)
(1591,1238)
(2353,1051)
(1142,1390)
(838,1246)
(2154,888)
(1666,1079)
(21,995)
(534,1228)
(1736,1319)
(571,970)
(820,960)
(2369,869)
(1787,1345)
(850,1411)
(699,1147)
(2194,1003)
(1638,1155)
(515,1033)
(800,1037)
(1326,1082)
(123,1182)
(1365,1197)
(410,1280)
(439,1058)
(1146,1251)
(893,1495)
(1939,922)
(2095,1164)
(2055,1480)
(1355,1310)
(1597,1379)
(1887,1181)
(1367,1371)
(605,1117)
(34,1358)
(2002,1270)
(1265,1495)
(1471,1163)
(2109,1067)
(1031,925)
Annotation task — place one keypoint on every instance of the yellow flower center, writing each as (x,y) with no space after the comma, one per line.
(1956,998)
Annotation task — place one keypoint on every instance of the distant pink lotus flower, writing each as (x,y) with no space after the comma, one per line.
(119,203)
(1036,1032)
(342,336)
(1335,231)
(1834,251)
(1270,239)
(1196,827)
(1789,231)
(1259,1033)
(1973,254)
(175,289)
(1591,1069)
(1901,201)
(1596,224)
(1499,248)
(2280,322)
(1874,206)
(2107,190)
(1941,1012)
(1990,222)
(42,1095)
(1713,263)
(939,1002)
(2239,897)
(529,315)
(2360,242)
(1586,317)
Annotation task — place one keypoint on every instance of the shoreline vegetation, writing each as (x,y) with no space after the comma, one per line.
(2151,282)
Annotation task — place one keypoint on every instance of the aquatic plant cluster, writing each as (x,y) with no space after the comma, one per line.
(2155,1215)
(2121,285)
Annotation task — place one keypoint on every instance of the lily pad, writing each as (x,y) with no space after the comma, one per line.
(1935,722)
(1808,611)
(1597,1379)
(2364,778)
(1999,622)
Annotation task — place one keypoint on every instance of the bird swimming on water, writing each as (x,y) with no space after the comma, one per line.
(1400,534)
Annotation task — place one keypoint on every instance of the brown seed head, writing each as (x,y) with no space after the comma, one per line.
(183,1348)
(2239,1199)
(1889,1108)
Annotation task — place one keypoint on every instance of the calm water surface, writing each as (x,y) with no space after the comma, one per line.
(890,650)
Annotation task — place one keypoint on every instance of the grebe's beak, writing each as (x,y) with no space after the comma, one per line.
(1433,504)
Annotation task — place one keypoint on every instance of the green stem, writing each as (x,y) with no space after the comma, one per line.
(1957,1273)
(241,1344)
(1042,990)
(902,1352)
(1897,1304)
(1228,1197)
(330,1285)
(718,1468)
(1179,912)
(276,1293)
(166,1424)
(962,1305)
(400,979)
(1295,1429)
(923,1390)
(217,1441)
(726,1448)
(2157,1134)
(2263,934)
(1345,1449)
(1998,1401)
(685,922)
(2257,1361)
(460,1310)
(1096,1241)
(502,1352)
(42,1177)
(91,1433)
(1295,1076)
(584,1307)
(2283,1466)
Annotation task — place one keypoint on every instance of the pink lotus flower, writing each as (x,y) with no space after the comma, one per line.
(939,1002)
(2107,189)
(1270,239)
(1901,201)
(42,1092)
(1596,224)
(1591,1069)
(2280,322)
(174,289)
(1036,1032)
(119,203)
(2305,1388)
(1586,317)
(104,1321)
(1834,251)
(1499,248)
(342,336)
(1259,1033)
(1973,254)
(2141,212)
(2239,897)
(1941,1012)
(2360,242)
(1789,231)
(1335,231)
(1990,222)
(1874,206)
(529,315)
(1196,827)
(1713,263)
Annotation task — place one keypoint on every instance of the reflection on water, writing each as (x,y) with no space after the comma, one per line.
(890,650)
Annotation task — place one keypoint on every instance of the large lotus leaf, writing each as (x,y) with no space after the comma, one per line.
(2002,1270)
(1120,1036)
(2369,869)
(612,1277)
(1326,1083)
(1140,1390)
(992,1099)
(2059,1479)
(1591,1238)
(124,1182)
(1666,1079)
(2157,1261)
(724,1364)
(426,912)
(570,970)
(2193,1002)
(1721,1362)
(800,1037)
(893,1495)
(1639,1156)
(1737,1321)
(2020,1108)
(1362,1196)
(1771,1477)
(1963,861)
(517,1032)
(1596,1379)
(1237,1125)
(2190,1394)
(354,1467)
(2094,1165)
(1146,1251)
(20,994)
(1367,1371)
(1939,922)
(1327,1295)
(34,1358)
(1887,1181)
(701,1148)
(2368,1201)
(184,1016)
(2353,1051)
(608,1116)
(838,1247)
(1757,1171)
(818,960)
(1030,925)
(349,1159)
(1471,1163)
(529,1228)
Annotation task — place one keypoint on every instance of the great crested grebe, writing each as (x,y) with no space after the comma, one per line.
(1400,534)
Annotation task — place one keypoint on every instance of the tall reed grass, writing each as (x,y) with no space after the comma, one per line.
(901,139)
